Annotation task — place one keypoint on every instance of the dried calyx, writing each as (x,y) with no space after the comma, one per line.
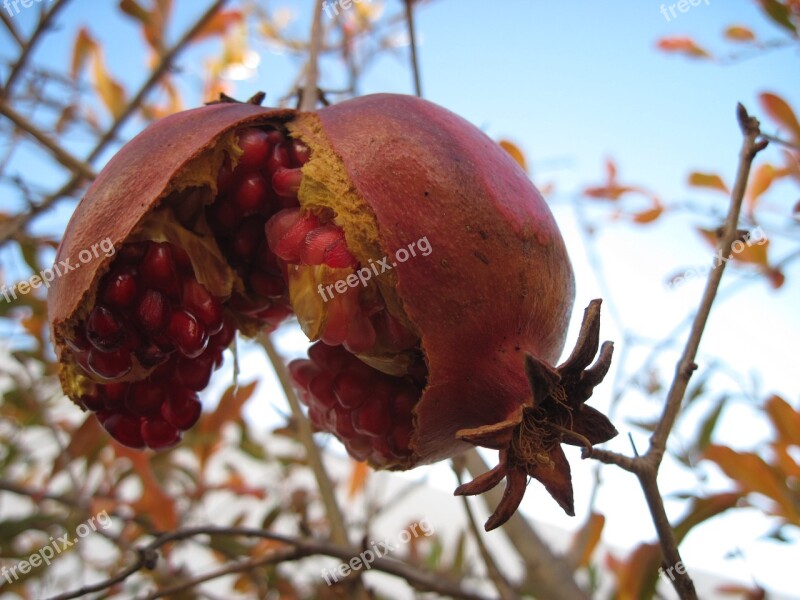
(530,442)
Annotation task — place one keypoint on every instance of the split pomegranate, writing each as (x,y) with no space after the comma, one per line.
(404,240)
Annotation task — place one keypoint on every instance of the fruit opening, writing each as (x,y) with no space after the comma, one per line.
(237,252)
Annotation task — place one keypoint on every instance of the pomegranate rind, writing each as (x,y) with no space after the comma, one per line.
(181,151)
(498,281)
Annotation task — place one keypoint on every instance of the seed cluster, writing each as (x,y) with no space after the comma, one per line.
(151,310)
(152,316)
(369,411)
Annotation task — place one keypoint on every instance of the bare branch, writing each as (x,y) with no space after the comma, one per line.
(751,146)
(412,38)
(27,49)
(10,227)
(646,467)
(60,154)
(501,583)
(147,558)
(287,554)
(12,30)
(310,95)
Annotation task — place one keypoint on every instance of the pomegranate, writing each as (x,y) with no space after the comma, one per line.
(405,241)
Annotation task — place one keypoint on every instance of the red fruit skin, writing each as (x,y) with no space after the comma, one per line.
(498,281)
(132,184)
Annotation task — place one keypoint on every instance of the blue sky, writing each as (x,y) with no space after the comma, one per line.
(572,84)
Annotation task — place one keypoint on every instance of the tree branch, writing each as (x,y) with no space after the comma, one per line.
(327,493)
(12,30)
(310,95)
(147,557)
(11,226)
(75,165)
(28,47)
(646,467)
(505,589)
(287,554)
(751,146)
(412,38)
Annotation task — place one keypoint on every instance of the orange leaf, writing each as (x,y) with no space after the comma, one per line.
(754,475)
(611,190)
(133,9)
(703,509)
(742,592)
(709,180)
(710,236)
(785,419)
(358,478)
(776,278)
(779,111)
(111,93)
(229,409)
(611,170)
(587,538)
(84,47)
(682,45)
(649,215)
(219,24)
(739,33)
(154,503)
(515,153)
(785,462)
(760,182)
(89,438)
(751,255)
(636,575)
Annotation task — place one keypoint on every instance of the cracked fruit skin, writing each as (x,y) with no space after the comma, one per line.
(263,208)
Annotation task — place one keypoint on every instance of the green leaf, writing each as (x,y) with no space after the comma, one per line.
(458,559)
(709,424)
(780,13)
(703,509)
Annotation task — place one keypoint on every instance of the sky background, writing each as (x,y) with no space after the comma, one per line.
(572,84)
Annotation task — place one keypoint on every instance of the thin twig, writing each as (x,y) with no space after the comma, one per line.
(10,227)
(412,38)
(504,588)
(12,30)
(310,95)
(163,66)
(775,139)
(338,530)
(611,458)
(646,467)
(147,557)
(76,165)
(751,146)
(288,554)
(313,455)
(28,47)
